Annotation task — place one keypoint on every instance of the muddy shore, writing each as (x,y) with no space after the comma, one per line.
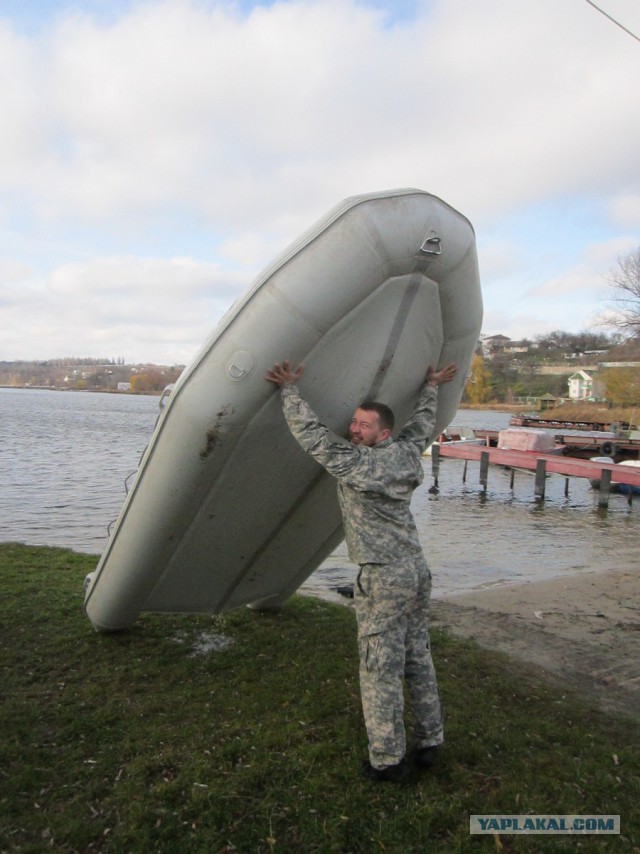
(583,630)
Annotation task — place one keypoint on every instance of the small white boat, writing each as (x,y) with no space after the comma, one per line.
(455,435)
(534,440)
(615,486)
(626,488)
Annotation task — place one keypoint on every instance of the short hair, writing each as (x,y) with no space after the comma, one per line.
(385,415)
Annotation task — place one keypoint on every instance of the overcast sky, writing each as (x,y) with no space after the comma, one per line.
(156,156)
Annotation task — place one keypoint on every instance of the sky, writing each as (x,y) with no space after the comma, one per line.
(156,156)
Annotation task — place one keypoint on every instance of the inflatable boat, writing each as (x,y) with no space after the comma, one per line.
(226,510)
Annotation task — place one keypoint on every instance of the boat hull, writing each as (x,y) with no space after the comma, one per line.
(226,510)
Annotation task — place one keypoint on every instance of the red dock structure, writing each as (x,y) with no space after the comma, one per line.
(583,445)
(540,464)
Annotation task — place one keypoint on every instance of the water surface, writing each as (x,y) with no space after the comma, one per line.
(65,458)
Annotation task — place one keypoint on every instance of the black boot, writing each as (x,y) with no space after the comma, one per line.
(426,757)
(392,773)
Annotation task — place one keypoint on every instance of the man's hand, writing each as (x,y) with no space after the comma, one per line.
(444,375)
(283,374)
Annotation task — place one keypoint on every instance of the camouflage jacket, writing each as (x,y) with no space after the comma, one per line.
(375,484)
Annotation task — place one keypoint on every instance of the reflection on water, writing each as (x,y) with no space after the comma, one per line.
(64,459)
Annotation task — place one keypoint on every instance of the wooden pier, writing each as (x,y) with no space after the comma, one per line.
(540,464)
(584,446)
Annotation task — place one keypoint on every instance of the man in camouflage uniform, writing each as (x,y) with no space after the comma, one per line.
(376,478)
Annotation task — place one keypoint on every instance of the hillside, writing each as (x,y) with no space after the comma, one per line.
(87,374)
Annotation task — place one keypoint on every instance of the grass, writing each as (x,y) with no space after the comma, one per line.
(591,412)
(137,742)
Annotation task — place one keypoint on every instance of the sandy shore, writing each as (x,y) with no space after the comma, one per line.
(583,629)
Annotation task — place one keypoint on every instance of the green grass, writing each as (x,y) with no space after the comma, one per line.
(132,743)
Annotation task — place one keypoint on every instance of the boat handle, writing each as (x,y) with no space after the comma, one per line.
(165,396)
(431,246)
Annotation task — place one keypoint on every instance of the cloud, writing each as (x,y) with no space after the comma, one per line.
(499,260)
(237,118)
(14,272)
(179,143)
(147,278)
(591,274)
(625,210)
(605,255)
(123,305)
(576,280)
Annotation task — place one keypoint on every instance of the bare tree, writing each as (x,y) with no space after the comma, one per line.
(625,299)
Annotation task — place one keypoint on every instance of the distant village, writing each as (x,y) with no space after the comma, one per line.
(583,367)
(89,374)
(548,370)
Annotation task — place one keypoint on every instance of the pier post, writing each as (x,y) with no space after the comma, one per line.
(484,469)
(541,474)
(435,463)
(605,484)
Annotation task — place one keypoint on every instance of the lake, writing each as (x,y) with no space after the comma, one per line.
(66,459)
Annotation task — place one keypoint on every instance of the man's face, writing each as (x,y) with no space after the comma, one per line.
(365,428)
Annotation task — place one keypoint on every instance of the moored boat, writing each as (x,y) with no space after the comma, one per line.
(534,441)
(616,486)
(455,435)
(627,488)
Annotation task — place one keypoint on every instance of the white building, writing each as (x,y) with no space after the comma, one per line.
(492,345)
(580,386)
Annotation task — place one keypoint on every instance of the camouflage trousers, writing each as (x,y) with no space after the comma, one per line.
(392,605)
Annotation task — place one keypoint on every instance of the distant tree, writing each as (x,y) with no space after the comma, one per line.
(556,340)
(628,351)
(141,383)
(478,388)
(622,386)
(152,379)
(526,379)
(504,376)
(573,342)
(624,283)
(100,380)
(531,384)
(590,340)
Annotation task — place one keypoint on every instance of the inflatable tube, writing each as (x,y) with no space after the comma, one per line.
(226,510)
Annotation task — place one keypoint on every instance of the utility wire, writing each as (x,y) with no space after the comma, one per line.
(617,23)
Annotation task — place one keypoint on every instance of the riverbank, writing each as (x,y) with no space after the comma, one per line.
(127,392)
(243,732)
(583,630)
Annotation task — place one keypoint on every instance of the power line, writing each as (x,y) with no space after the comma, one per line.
(617,23)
